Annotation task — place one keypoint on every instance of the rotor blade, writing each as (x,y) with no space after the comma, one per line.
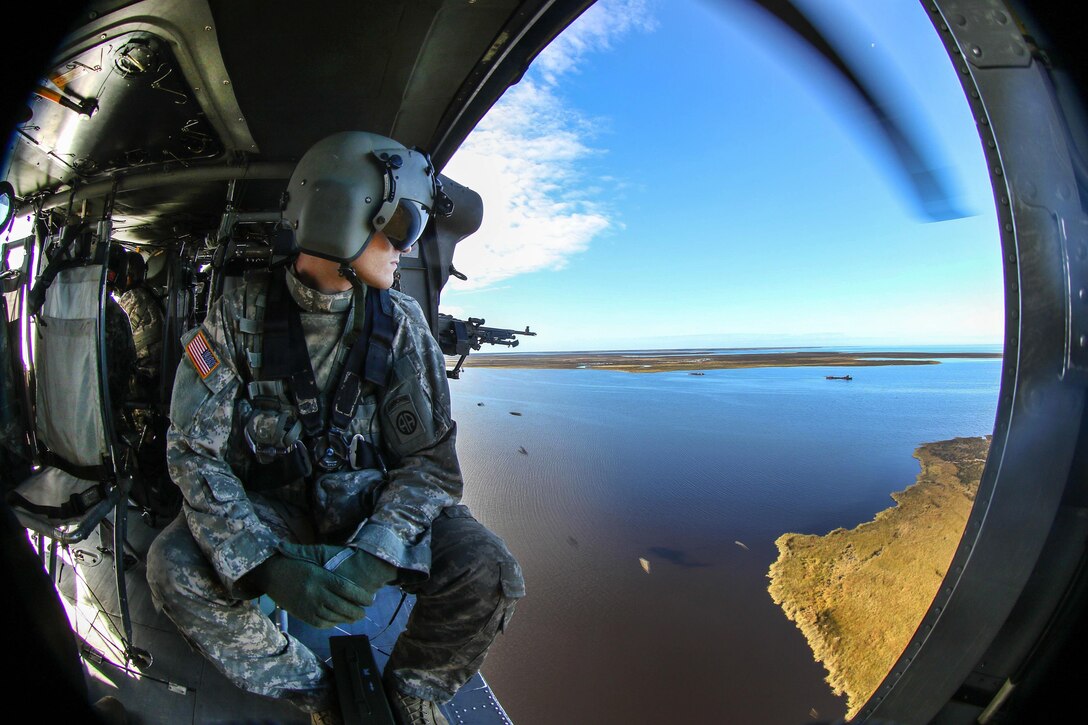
(932,190)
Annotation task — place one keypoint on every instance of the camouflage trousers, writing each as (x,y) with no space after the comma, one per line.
(461,607)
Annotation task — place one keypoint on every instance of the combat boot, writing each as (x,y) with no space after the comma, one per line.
(410,710)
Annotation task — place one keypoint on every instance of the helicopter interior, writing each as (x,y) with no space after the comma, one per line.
(169,129)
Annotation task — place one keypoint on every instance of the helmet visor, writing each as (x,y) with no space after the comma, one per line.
(406,224)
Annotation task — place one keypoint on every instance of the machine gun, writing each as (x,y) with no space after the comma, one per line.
(460,337)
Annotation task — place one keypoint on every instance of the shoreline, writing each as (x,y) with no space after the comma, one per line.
(656,361)
(858,595)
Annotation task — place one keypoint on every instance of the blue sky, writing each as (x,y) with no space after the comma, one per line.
(682,173)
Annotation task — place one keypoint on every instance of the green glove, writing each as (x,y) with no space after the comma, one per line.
(297,583)
(357,566)
(366,570)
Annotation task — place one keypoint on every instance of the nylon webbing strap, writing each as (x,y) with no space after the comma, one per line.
(380,338)
(86,473)
(284,355)
(76,505)
(275,343)
(373,343)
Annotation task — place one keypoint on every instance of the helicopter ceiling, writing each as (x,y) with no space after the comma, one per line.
(157,100)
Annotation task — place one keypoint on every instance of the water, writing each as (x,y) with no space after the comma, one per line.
(675,469)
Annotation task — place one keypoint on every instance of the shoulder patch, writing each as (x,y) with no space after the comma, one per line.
(201,355)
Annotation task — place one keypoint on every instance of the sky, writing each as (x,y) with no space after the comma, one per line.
(684,173)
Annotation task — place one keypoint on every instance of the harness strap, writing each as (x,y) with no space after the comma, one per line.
(284,356)
(368,359)
(76,505)
(87,473)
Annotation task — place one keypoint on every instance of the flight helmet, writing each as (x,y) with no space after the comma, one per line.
(352,184)
(126,269)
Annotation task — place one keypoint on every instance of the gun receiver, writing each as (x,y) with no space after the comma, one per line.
(460,337)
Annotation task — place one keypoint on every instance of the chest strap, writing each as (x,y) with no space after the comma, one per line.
(284,356)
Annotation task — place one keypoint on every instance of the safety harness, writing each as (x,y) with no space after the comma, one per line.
(284,357)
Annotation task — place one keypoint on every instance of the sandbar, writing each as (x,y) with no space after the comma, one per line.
(656,361)
(859,595)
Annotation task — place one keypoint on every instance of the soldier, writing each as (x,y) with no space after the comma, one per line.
(145,316)
(311,437)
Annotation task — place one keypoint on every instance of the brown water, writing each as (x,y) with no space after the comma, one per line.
(675,469)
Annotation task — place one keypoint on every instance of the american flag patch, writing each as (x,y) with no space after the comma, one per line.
(204,360)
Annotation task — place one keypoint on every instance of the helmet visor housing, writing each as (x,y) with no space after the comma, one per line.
(409,196)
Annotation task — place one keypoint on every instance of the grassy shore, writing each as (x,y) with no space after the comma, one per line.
(859,595)
(656,361)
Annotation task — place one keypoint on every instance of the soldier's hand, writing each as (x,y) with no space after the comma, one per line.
(355,565)
(367,570)
(361,568)
(309,592)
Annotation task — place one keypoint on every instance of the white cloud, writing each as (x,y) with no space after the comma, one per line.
(523,159)
(603,22)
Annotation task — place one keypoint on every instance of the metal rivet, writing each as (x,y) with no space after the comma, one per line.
(226,82)
(1083,340)
(207,27)
(976,51)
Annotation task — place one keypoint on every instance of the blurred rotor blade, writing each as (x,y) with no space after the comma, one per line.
(933,191)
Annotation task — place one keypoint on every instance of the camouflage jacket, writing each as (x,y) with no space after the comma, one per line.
(146,317)
(216,392)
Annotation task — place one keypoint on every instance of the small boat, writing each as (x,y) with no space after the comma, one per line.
(839,377)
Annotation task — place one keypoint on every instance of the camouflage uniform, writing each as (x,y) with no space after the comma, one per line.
(120,360)
(146,319)
(465,579)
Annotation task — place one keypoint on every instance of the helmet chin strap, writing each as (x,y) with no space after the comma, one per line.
(348,272)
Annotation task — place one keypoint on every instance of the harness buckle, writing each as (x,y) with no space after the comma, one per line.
(325,455)
(363,455)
